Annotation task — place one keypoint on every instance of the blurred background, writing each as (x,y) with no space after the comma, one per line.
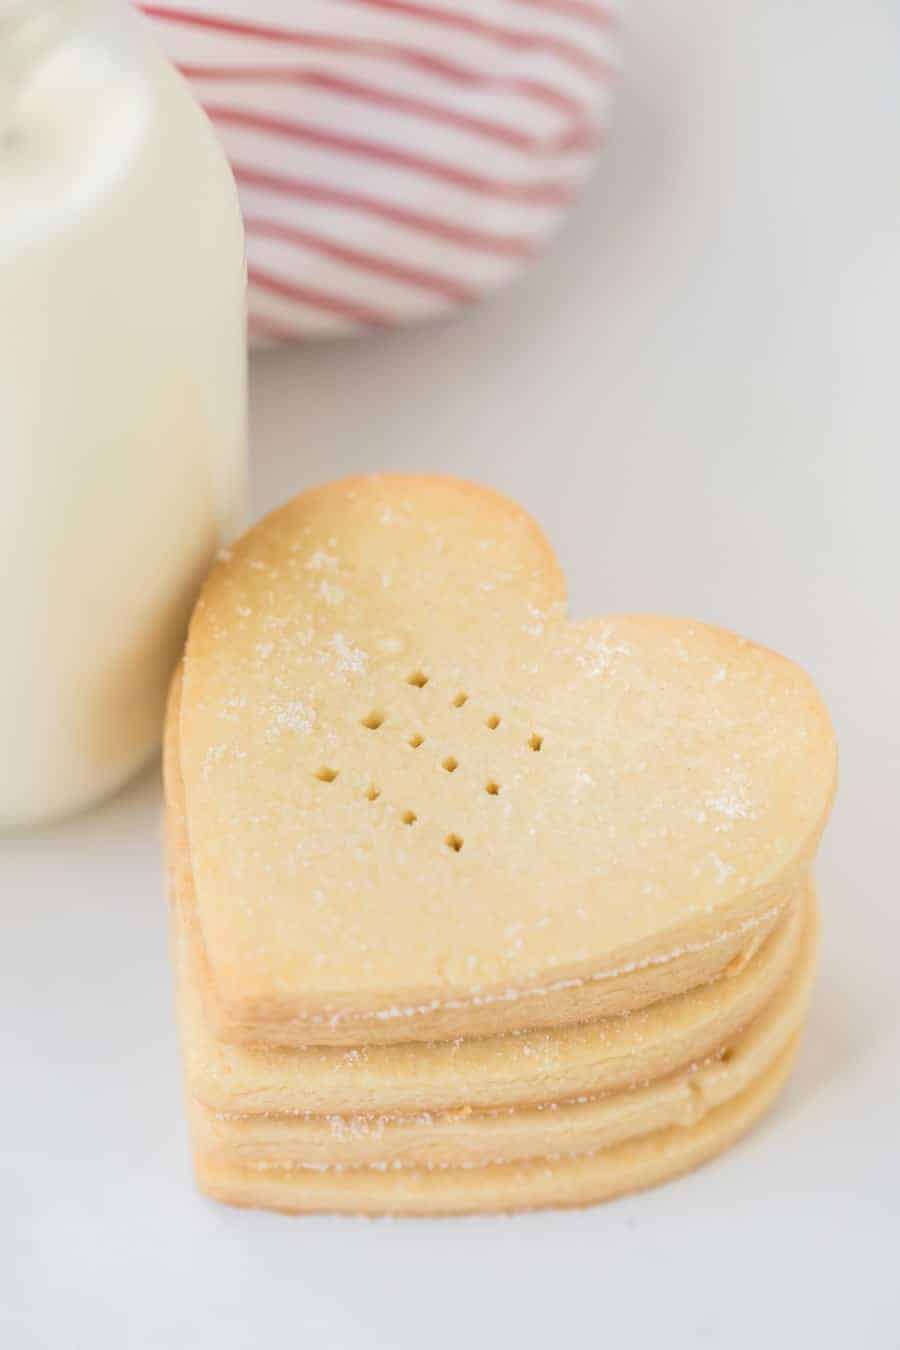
(395,158)
(693,388)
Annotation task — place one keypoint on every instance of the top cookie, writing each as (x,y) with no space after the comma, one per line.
(412,785)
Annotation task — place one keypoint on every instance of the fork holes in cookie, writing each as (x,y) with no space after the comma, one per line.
(409,817)
(493,723)
(492,788)
(535,742)
(374,720)
(418,678)
(450,764)
(326,774)
(461,700)
(454,842)
(416,740)
(373,793)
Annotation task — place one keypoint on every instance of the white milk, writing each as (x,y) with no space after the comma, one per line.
(122,392)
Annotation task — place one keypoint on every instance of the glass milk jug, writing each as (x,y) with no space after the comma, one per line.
(122,392)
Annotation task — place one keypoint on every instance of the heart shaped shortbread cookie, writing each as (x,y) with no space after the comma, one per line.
(474,1139)
(580,1060)
(581,1179)
(421,803)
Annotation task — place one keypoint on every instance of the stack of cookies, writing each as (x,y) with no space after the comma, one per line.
(475,908)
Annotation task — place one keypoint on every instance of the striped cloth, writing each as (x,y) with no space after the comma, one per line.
(394,157)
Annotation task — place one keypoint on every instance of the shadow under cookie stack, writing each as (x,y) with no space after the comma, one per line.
(475,908)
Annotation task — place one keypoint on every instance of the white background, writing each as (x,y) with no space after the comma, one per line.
(696,391)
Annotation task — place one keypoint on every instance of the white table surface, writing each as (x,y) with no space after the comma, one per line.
(696,391)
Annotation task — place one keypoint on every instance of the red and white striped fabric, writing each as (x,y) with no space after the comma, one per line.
(394,157)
